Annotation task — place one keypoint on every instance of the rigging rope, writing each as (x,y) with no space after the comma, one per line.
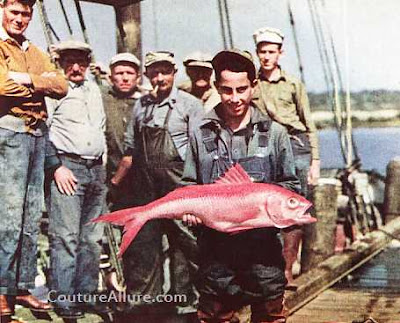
(328,75)
(66,17)
(349,143)
(45,23)
(81,21)
(85,36)
(296,41)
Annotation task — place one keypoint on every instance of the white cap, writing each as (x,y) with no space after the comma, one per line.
(198,59)
(268,35)
(124,57)
(73,45)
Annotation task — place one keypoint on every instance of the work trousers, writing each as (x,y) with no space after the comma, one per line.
(75,243)
(21,193)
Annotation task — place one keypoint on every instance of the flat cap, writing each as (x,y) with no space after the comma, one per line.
(124,57)
(73,45)
(268,35)
(160,56)
(198,59)
(240,60)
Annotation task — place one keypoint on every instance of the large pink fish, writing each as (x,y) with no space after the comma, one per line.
(232,204)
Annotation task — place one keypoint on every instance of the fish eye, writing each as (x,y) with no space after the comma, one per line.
(293,202)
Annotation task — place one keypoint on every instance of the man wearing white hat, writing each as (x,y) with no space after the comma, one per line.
(284,98)
(199,69)
(118,100)
(76,185)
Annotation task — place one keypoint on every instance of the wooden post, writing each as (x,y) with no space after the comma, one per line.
(392,190)
(128,29)
(319,237)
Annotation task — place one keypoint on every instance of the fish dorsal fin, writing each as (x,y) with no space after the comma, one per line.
(234,175)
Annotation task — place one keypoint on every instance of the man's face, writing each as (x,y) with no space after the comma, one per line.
(16,18)
(124,77)
(161,75)
(236,92)
(199,76)
(269,55)
(74,63)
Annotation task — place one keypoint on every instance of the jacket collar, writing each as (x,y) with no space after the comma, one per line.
(212,118)
(6,37)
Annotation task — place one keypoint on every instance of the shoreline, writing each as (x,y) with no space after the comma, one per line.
(360,119)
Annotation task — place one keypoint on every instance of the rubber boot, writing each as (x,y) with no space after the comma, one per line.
(291,243)
(271,311)
(213,311)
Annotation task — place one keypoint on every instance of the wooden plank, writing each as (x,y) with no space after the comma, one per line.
(336,267)
(349,306)
(361,296)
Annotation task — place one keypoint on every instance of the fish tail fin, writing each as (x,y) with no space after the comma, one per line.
(120,217)
(131,230)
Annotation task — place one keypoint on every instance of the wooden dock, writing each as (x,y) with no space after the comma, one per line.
(333,292)
(372,291)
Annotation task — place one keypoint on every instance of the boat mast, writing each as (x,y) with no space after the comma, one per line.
(127,15)
(129,28)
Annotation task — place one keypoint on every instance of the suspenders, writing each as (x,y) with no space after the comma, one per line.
(210,138)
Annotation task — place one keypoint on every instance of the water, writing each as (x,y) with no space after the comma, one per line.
(376,147)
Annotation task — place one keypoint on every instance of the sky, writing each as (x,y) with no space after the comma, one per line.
(364,32)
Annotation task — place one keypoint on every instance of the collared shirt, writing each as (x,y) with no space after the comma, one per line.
(77,122)
(22,107)
(278,166)
(184,109)
(285,100)
(118,114)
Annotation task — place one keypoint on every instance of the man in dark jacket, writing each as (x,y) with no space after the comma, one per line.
(246,268)
(156,141)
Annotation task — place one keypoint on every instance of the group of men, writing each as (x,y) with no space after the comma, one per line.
(94,148)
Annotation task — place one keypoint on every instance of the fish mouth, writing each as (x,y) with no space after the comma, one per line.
(306,217)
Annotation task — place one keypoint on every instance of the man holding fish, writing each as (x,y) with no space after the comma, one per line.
(238,156)
(247,267)
(245,164)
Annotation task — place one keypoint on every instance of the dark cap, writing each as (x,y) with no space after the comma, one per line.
(235,60)
(30,3)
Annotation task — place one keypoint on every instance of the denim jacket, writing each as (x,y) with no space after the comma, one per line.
(263,149)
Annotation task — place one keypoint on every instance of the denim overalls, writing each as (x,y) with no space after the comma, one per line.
(157,171)
(245,268)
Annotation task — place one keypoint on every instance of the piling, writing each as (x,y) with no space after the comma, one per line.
(392,190)
(319,237)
